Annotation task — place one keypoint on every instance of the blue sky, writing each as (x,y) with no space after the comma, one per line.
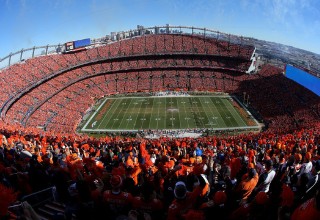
(28,23)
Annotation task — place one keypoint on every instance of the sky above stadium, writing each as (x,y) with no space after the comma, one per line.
(28,23)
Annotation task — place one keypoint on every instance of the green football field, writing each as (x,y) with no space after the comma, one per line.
(163,112)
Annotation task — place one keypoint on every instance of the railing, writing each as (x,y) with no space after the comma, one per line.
(24,54)
(49,192)
(37,198)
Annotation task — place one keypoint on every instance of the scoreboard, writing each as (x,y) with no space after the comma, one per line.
(77,45)
(304,78)
(81,43)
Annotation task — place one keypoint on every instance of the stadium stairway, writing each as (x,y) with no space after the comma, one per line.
(46,206)
(52,210)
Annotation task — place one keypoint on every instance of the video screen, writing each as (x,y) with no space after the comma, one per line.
(305,79)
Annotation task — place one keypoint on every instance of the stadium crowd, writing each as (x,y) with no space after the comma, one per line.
(296,109)
(249,176)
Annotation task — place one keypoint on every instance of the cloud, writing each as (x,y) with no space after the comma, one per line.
(288,14)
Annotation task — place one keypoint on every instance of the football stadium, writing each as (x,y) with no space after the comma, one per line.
(162,122)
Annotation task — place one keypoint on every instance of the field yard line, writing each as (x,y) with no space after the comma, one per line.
(135,122)
(184,108)
(171,112)
(212,113)
(214,104)
(158,115)
(125,114)
(105,115)
(236,113)
(144,115)
(228,112)
(151,111)
(221,104)
(165,111)
(201,108)
(112,116)
(178,112)
(191,108)
(200,98)
(94,114)
(193,99)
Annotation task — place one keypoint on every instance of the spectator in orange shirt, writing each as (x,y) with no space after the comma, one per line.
(133,170)
(247,185)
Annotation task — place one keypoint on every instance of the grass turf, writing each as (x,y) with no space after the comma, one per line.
(177,112)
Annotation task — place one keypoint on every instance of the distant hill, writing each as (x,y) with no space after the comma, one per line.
(280,53)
